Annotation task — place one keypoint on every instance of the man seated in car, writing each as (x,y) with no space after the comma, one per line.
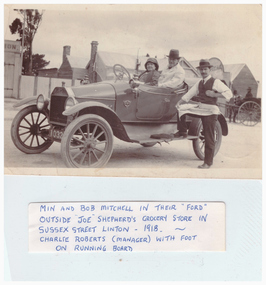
(171,77)
(151,74)
(174,74)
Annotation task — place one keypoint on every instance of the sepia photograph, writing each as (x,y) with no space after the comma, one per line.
(132,142)
(167,91)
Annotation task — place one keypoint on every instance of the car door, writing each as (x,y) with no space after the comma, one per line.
(152,102)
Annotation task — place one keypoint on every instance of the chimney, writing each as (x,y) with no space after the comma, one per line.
(66,51)
(94,46)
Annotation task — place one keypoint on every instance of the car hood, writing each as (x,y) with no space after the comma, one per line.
(94,91)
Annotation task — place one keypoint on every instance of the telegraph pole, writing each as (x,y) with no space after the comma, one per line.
(21,54)
(23,35)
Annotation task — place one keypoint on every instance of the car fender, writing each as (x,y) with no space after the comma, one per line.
(80,106)
(26,101)
(223,124)
(104,111)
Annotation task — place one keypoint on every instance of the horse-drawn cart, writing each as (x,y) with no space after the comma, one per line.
(247,112)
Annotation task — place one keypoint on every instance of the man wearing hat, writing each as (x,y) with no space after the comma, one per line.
(174,74)
(249,94)
(207,92)
(171,77)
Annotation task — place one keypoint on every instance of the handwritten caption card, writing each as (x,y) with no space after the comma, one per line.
(126,226)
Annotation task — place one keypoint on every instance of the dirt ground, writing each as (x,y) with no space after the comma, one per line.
(240,156)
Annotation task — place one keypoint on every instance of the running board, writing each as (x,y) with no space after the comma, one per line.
(150,140)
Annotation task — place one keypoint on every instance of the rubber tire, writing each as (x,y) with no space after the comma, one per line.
(195,130)
(148,144)
(73,127)
(15,136)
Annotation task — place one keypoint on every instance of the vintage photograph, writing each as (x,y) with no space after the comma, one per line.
(167,91)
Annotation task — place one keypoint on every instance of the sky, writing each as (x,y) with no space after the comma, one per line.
(233,33)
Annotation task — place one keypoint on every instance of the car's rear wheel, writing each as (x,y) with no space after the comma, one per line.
(29,130)
(87,142)
(196,129)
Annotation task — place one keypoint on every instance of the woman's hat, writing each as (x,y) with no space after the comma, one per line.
(174,53)
(204,63)
(249,88)
(154,61)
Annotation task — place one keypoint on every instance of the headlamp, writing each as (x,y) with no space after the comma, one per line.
(40,102)
(70,102)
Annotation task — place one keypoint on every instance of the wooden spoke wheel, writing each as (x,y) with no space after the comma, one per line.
(29,130)
(249,113)
(87,142)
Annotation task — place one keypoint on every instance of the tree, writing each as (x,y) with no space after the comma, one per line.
(32,19)
(38,62)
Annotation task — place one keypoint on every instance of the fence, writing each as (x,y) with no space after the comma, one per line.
(34,85)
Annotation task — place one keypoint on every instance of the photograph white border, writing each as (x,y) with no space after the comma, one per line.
(240,262)
(49,180)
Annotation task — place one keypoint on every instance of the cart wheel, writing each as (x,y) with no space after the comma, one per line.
(87,142)
(249,113)
(29,129)
(148,144)
(196,129)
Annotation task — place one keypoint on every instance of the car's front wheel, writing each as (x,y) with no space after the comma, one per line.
(87,142)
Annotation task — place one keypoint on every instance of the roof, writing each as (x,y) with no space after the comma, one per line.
(194,63)
(77,62)
(234,69)
(128,61)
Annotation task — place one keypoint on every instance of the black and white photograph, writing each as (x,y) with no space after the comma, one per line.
(167,91)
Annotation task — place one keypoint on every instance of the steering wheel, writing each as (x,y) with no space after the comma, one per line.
(120,71)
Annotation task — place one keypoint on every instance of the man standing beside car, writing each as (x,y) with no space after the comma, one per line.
(207,91)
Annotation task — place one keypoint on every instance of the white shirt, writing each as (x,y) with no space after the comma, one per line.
(218,86)
(172,77)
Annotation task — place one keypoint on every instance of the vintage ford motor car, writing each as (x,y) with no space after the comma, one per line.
(86,118)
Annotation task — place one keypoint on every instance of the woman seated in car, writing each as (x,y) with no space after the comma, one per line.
(151,74)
